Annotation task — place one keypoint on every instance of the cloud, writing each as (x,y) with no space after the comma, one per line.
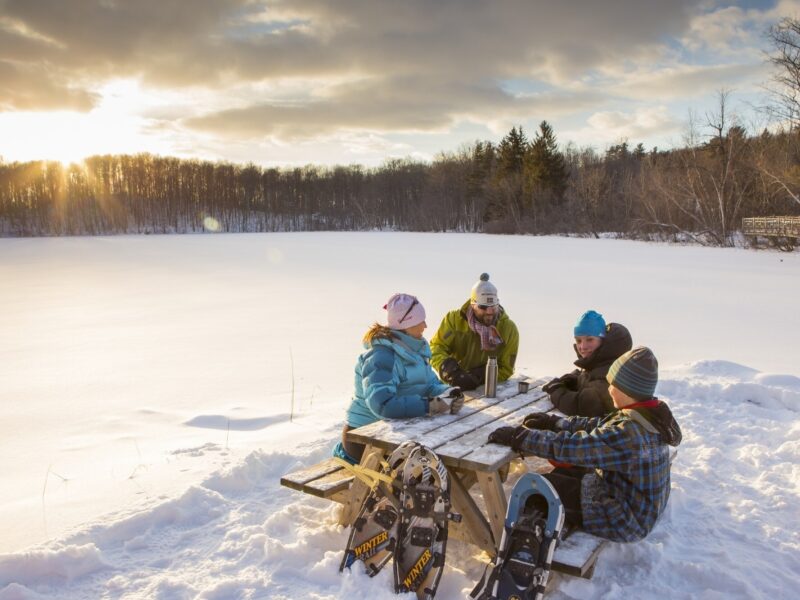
(614,126)
(411,104)
(31,89)
(217,43)
(687,81)
(724,30)
(275,71)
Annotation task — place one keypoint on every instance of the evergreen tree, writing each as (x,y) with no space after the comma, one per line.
(511,152)
(545,168)
(481,164)
(505,190)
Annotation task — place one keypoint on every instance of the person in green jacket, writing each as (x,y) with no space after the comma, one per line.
(468,336)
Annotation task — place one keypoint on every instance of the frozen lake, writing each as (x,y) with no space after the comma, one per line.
(133,366)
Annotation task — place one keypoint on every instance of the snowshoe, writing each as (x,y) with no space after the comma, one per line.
(425,512)
(373,535)
(533,525)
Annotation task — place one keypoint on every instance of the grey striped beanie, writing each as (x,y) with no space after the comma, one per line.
(635,373)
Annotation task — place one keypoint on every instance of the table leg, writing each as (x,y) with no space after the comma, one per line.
(358,489)
(473,528)
(495,497)
(467,478)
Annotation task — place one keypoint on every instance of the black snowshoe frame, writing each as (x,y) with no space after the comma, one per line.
(405,517)
(533,526)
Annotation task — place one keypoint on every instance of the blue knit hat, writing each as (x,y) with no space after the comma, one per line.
(591,323)
(635,373)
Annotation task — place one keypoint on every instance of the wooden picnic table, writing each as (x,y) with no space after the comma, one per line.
(460,440)
(477,469)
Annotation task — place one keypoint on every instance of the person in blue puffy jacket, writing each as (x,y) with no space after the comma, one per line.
(393,377)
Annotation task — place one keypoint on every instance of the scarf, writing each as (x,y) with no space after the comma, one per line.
(490,337)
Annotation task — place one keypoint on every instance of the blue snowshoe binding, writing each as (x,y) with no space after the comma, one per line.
(533,527)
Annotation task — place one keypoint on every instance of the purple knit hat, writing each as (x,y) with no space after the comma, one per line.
(404,311)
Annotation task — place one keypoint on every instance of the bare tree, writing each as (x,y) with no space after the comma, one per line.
(785,57)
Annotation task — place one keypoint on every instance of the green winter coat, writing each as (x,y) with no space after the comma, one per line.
(455,338)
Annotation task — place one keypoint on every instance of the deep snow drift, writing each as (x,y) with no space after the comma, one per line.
(147,384)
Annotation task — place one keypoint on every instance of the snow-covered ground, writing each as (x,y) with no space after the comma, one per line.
(147,382)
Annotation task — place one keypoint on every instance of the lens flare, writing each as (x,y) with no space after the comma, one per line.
(211,224)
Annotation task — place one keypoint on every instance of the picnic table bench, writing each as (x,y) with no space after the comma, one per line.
(461,442)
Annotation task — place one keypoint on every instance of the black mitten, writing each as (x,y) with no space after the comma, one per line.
(479,373)
(452,373)
(503,436)
(551,385)
(570,381)
(448,368)
(539,420)
(513,437)
(464,380)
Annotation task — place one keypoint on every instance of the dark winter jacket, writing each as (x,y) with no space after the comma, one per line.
(584,392)
(628,450)
(455,339)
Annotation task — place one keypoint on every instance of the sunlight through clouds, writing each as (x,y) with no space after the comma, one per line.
(115,126)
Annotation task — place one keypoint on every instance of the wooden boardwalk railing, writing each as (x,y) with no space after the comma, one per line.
(772,226)
(781,232)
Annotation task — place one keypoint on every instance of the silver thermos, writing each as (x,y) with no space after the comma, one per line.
(491,377)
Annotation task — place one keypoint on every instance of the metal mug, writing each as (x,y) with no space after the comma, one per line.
(523,387)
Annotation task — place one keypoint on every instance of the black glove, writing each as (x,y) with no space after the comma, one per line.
(539,420)
(449,366)
(513,437)
(479,373)
(552,384)
(570,381)
(464,380)
(452,373)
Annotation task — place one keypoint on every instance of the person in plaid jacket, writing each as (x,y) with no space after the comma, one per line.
(624,484)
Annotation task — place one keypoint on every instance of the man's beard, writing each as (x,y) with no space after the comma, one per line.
(489,319)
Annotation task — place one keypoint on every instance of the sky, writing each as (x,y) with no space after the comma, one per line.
(282,83)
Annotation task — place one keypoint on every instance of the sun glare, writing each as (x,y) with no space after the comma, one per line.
(115,126)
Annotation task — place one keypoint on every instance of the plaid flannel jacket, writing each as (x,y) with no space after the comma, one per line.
(629,488)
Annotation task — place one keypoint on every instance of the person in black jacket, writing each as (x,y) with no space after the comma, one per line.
(584,391)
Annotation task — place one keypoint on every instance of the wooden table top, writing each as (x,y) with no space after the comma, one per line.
(461,439)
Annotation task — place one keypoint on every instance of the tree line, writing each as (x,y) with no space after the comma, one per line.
(699,191)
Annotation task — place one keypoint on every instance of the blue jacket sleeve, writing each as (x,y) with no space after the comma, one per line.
(380,388)
(435,386)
